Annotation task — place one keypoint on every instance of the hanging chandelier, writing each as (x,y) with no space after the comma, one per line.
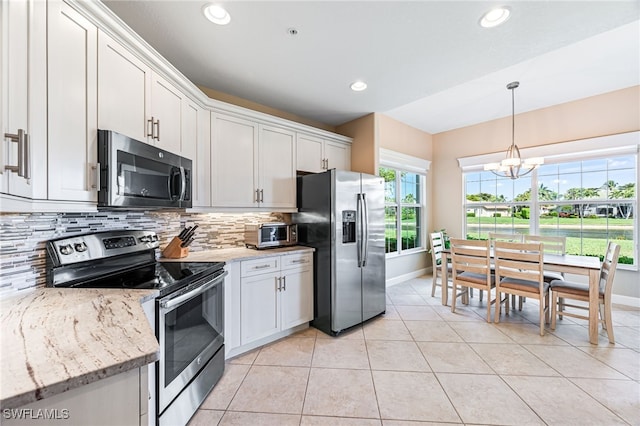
(513,166)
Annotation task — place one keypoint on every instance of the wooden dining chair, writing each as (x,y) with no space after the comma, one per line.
(471,264)
(550,244)
(519,272)
(436,241)
(513,238)
(561,290)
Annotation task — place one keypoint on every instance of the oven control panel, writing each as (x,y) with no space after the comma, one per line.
(100,245)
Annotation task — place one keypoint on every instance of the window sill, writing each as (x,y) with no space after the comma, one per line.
(405,253)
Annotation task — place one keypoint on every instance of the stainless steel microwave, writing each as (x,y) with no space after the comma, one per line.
(268,235)
(134,174)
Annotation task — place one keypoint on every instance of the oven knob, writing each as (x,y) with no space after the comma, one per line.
(80,247)
(66,249)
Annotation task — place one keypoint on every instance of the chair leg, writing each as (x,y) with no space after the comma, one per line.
(607,322)
(488,304)
(496,315)
(434,283)
(520,300)
(471,292)
(481,293)
(542,316)
(554,303)
(560,307)
(454,296)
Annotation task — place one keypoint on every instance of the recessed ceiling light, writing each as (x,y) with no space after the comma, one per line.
(495,17)
(358,86)
(216,14)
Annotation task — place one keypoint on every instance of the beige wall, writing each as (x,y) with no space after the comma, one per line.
(400,137)
(364,150)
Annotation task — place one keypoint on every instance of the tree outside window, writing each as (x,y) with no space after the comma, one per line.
(403,210)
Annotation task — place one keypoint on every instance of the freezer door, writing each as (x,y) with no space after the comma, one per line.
(373,271)
(346,294)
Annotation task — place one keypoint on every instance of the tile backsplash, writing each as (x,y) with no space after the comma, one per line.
(23,236)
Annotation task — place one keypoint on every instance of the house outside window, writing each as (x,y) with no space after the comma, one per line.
(589,201)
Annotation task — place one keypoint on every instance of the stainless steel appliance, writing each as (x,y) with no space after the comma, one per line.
(134,174)
(189,312)
(341,215)
(273,234)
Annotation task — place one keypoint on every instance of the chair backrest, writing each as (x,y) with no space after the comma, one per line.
(497,236)
(437,244)
(522,261)
(470,256)
(550,244)
(608,268)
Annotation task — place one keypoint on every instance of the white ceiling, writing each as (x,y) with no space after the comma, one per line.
(427,63)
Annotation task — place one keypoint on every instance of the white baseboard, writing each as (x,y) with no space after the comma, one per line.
(402,278)
(625,300)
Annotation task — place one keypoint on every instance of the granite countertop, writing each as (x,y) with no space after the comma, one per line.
(54,340)
(236,254)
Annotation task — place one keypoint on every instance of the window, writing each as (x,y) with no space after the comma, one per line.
(589,201)
(403,210)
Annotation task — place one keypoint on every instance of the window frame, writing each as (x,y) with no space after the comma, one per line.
(625,144)
(402,163)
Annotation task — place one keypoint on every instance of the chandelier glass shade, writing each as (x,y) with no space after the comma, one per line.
(514,166)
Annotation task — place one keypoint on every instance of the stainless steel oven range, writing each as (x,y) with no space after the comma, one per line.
(189,311)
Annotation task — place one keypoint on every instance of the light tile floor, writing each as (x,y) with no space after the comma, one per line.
(422,364)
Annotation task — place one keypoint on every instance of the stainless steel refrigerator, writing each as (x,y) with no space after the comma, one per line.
(341,215)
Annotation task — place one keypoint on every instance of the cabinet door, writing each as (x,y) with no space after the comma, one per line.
(123,90)
(23,56)
(296,297)
(260,310)
(234,145)
(166,111)
(309,155)
(338,155)
(72,112)
(277,175)
(196,145)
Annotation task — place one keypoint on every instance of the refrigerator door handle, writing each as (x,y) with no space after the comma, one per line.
(359,230)
(365,225)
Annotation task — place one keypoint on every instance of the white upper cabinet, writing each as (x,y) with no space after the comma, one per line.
(316,154)
(72,113)
(134,100)
(234,146)
(196,146)
(337,155)
(23,112)
(123,90)
(166,113)
(277,174)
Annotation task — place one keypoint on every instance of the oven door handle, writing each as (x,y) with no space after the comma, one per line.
(170,303)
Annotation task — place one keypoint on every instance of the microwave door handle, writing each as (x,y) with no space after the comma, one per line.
(183,183)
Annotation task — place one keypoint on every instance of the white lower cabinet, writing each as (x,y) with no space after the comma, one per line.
(265,298)
(111,401)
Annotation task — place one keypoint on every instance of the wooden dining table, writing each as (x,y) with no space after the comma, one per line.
(567,263)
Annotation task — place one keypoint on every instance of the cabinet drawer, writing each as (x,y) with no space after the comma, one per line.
(259,266)
(296,260)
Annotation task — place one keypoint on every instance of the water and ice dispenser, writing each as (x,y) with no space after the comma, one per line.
(348,226)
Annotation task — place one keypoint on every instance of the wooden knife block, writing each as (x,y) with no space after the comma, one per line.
(174,251)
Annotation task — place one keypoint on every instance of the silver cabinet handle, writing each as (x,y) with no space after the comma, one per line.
(262,195)
(284,283)
(277,281)
(150,127)
(157,126)
(257,195)
(22,139)
(261,266)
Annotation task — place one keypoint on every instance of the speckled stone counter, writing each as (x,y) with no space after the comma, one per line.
(236,254)
(53,340)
